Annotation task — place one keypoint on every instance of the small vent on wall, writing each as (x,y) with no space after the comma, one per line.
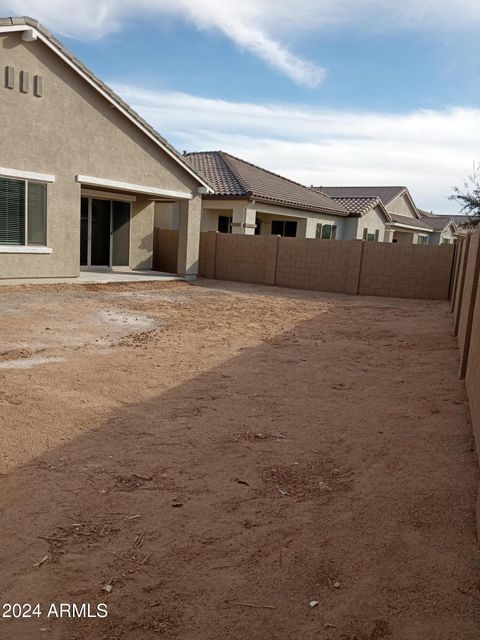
(38,86)
(9,77)
(24,81)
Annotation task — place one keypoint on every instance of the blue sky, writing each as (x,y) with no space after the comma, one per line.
(323,91)
(398,71)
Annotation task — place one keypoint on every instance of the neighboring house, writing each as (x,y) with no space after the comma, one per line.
(403,221)
(451,226)
(250,200)
(80,171)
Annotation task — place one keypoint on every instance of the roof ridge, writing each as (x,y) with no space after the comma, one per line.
(272,173)
(361,186)
(251,180)
(242,182)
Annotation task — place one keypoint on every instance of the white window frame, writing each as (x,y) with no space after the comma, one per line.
(326,225)
(26,177)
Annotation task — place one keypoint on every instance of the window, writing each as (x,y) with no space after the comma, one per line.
(284,228)
(22,212)
(371,236)
(446,241)
(422,239)
(224,224)
(326,231)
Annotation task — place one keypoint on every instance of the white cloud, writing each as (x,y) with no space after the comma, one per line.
(429,151)
(259,26)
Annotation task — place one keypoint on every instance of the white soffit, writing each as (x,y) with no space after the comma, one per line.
(93,181)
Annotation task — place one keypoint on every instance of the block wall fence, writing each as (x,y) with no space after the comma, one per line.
(465,305)
(338,266)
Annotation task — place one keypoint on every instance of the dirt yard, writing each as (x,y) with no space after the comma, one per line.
(209,459)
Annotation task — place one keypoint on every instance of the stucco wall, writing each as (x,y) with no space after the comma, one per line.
(373,221)
(166,215)
(306,220)
(73,130)
(402,205)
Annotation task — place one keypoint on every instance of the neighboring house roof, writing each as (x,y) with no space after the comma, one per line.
(385,194)
(441,222)
(25,23)
(426,214)
(438,223)
(411,222)
(358,206)
(232,177)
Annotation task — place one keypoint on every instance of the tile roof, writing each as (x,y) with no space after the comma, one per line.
(385,194)
(101,86)
(411,222)
(233,177)
(438,221)
(358,206)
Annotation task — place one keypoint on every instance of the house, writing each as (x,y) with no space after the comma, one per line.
(80,171)
(249,200)
(403,222)
(450,226)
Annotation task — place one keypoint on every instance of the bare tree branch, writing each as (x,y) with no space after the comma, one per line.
(469,197)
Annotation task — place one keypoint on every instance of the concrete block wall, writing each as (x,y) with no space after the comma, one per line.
(472,374)
(245,258)
(406,271)
(462,251)
(465,305)
(165,250)
(207,255)
(341,266)
(320,265)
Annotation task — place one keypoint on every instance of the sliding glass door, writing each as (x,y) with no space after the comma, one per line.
(104,232)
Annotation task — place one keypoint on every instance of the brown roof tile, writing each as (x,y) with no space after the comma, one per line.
(358,206)
(385,194)
(412,222)
(233,177)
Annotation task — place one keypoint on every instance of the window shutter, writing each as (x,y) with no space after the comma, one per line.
(12,211)
(365,233)
(334,232)
(36,213)
(318,231)
(377,235)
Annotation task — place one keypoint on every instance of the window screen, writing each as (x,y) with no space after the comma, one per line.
(36,213)
(12,211)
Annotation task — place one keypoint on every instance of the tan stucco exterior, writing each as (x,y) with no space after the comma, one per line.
(402,205)
(245,211)
(73,130)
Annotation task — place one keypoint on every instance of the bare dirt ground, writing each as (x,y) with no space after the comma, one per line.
(208,459)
